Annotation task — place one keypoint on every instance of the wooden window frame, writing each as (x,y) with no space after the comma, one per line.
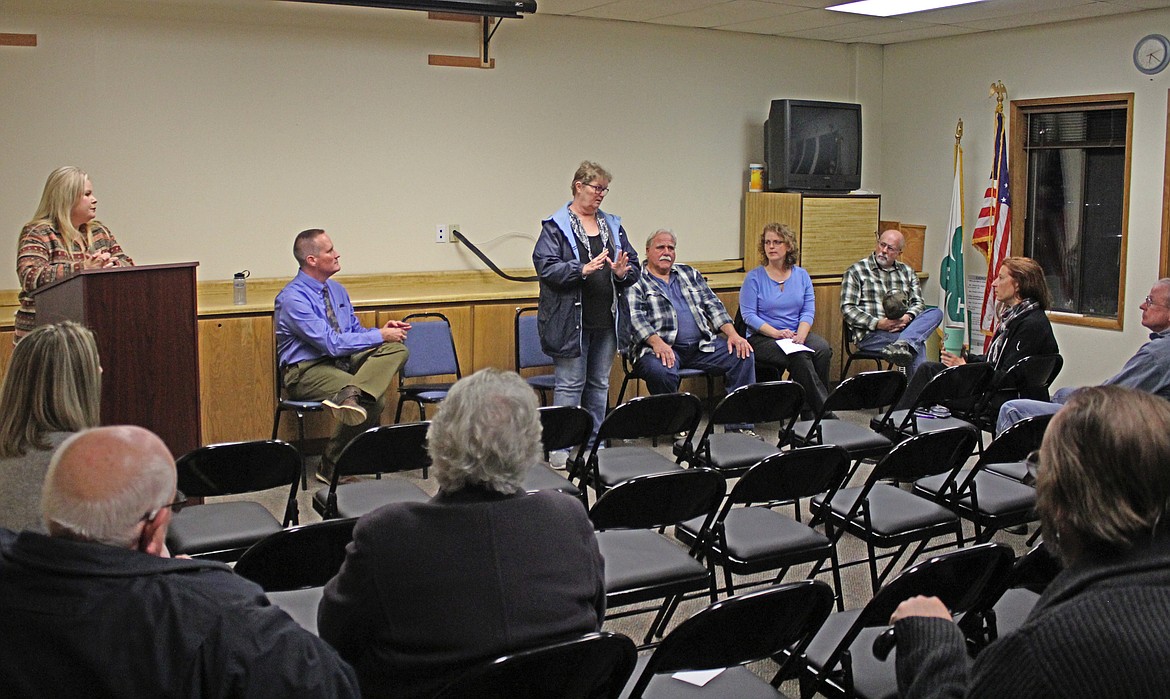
(1019,188)
(1164,254)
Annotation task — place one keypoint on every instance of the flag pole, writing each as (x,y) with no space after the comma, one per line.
(952,279)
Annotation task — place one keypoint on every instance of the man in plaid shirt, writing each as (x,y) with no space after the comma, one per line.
(674,322)
(902,339)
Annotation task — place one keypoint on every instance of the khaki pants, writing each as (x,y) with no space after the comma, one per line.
(371,370)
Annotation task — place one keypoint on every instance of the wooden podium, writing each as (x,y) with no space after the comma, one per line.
(145,322)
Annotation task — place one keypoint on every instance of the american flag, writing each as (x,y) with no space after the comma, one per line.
(993,230)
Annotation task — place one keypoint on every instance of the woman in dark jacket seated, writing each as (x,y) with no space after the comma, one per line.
(1021,295)
(430,588)
(1099,629)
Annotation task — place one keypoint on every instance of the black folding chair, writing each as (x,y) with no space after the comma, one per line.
(986,499)
(380,450)
(293,565)
(841,658)
(223,530)
(1007,601)
(731,632)
(871,390)
(562,427)
(1016,442)
(1029,377)
(593,666)
(732,453)
(885,516)
(852,352)
(641,564)
(750,536)
(644,417)
(299,408)
(958,388)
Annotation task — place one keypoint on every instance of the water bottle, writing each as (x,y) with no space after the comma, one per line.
(240,288)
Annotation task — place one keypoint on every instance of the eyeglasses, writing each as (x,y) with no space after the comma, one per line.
(772,243)
(887,246)
(1151,302)
(176,507)
(597,188)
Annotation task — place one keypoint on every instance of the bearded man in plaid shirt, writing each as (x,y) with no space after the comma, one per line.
(674,323)
(901,337)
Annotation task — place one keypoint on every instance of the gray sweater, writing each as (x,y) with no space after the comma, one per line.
(23,476)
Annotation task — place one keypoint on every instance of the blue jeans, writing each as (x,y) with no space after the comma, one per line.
(659,379)
(1013,411)
(915,334)
(584,380)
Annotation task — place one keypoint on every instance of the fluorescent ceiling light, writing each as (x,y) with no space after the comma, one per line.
(890,8)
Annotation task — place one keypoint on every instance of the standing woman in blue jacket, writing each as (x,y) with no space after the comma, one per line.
(582,258)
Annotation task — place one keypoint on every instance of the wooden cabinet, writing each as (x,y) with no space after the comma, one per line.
(833,232)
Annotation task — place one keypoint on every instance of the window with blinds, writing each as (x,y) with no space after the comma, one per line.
(1070,189)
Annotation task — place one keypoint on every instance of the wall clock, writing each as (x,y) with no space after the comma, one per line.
(1151,54)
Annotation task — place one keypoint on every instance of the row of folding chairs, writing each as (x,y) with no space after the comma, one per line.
(842,653)
(223,530)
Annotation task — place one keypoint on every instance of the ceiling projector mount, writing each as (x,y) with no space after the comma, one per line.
(484,12)
(503,9)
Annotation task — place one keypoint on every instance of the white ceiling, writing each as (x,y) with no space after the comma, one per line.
(806,19)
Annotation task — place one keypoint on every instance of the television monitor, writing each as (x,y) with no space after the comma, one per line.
(813,146)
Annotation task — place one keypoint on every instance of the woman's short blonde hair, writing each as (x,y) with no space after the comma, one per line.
(53,384)
(586,172)
(786,236)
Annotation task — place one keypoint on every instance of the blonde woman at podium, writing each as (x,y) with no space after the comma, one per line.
(62,238)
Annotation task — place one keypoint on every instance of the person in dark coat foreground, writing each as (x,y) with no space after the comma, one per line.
(1099,629)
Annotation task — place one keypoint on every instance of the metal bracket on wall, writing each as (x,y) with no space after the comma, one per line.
(489,26)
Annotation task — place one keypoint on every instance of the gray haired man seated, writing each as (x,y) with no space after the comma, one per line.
(97,608)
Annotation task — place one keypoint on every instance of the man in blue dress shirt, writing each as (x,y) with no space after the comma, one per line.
(326,354)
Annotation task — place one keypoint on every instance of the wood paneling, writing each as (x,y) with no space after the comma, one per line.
(5,352)
(494,343)
(836,232)
(760,208)
(833,232)
(237,381)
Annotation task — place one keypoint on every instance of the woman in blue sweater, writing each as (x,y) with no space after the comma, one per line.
(777,304)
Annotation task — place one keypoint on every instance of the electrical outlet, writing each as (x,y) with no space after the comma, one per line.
(442,233)
(453,227)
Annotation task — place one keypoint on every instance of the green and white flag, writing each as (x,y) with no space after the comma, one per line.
(951,277)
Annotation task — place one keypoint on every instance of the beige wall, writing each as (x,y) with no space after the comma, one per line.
(215,130)
(928,85)
(215,133)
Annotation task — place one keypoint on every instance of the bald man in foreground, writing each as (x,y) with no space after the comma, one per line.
(97,607)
